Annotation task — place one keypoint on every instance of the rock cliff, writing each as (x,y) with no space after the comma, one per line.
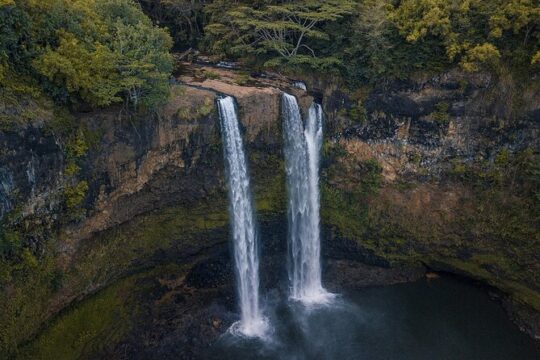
(423,173)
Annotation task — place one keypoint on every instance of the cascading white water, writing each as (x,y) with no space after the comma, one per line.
(302,149)
(252,323)
(299,85)
(313,133)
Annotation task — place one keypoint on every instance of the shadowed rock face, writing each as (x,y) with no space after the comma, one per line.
(428,136)
(155,190)
(133,154)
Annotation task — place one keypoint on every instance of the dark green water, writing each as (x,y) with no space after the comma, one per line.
(440,319)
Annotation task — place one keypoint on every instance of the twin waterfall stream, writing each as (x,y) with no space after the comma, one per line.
(302,148)
(246,254)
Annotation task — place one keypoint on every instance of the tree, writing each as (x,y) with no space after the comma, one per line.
(536,58)
(284,30)
(88,70)
(370,52)
(184,18)
(521,18)
(516,15)
(473,31)
(98,51)
(480,54)
(142,64)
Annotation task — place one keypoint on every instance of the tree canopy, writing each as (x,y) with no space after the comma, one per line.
(470,30)
(108,51)
(279,32)
(373,39)
(98,51)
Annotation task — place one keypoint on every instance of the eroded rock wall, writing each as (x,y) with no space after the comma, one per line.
(395,187)
(153,191)
(439,171)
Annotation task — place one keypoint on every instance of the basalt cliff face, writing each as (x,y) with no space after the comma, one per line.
(425,173)
(441,171)
(122,193)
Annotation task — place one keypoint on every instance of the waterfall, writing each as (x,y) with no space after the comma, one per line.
(302,147)
(299,85)
(251,323)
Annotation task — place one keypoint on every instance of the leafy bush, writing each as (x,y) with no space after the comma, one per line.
(278,33)
(98,51)
(74,195)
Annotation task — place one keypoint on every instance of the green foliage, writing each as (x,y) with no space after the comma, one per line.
(76,146)
(503,158)
(372,40)
(10,243)
(268,184)
(536,58)
(105,51)
(514,172)
(83,330)
(371,178)
(242,79)
(440,114)
(185,19)
(191,113)
(486,54)
(358,112)
(74,195)
(99,51)
(348,210)
(495,218)
(207,107)
(112,254)
(343,212)
(212,75)
(28,259)
(393,39)
(88,72)
(280,32)
(25,280)
(474,32)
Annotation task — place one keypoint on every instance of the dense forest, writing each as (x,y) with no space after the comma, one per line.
(107,51)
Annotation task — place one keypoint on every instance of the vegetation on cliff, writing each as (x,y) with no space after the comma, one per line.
(364,40)
(481,220)
(32,287)
(98,51)
(107,51)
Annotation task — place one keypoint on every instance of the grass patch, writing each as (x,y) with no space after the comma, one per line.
(147,240)
(99,321)
(102,320)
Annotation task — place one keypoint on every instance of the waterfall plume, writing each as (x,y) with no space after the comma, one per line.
(246,256)
(302,148)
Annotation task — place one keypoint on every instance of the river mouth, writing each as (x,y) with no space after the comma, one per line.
(443,318)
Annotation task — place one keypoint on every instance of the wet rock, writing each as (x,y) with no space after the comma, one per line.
(212,273)
(347,274)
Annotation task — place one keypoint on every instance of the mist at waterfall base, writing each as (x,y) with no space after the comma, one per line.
(444,318)
(441,319)
(252,323)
